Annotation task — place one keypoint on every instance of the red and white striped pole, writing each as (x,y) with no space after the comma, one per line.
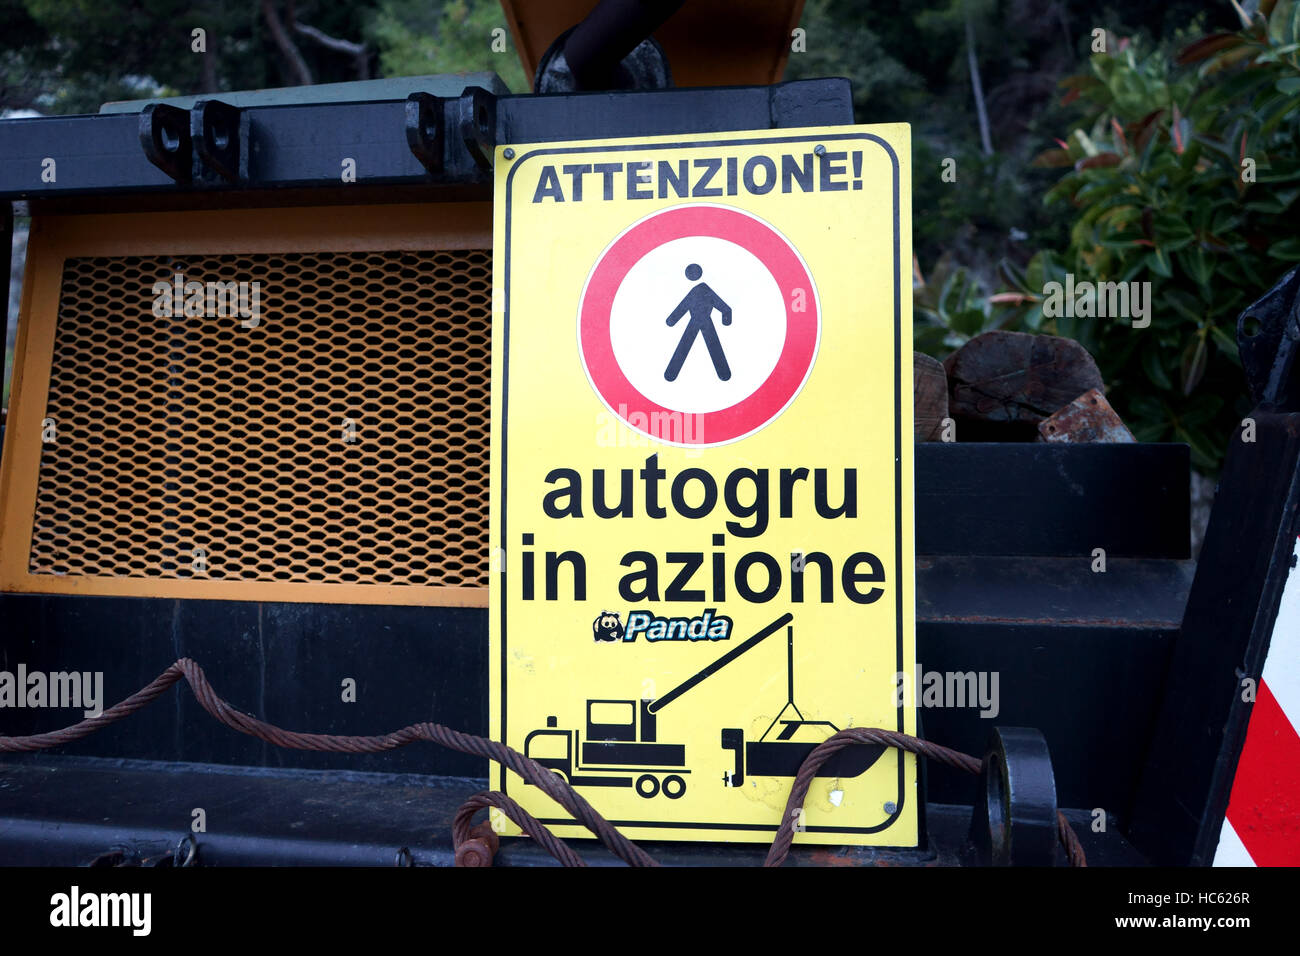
(1262,825)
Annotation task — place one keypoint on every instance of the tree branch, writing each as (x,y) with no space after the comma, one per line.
(297,65)
(360,55)
(973,63)
(208,76)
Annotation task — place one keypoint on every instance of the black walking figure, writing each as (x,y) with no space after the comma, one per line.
(700,303)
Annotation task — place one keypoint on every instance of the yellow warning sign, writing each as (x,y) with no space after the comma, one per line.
(702,479)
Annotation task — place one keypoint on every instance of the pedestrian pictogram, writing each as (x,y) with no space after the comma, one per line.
(702,481)
(738,341)
(699,303)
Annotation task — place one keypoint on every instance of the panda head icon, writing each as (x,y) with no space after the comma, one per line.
(607,627)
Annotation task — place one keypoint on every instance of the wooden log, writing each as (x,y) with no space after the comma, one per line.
(929,397)
(1017,378)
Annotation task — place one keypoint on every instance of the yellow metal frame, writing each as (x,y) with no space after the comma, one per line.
(55,238)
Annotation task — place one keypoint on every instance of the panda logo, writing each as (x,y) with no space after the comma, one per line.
(607,627)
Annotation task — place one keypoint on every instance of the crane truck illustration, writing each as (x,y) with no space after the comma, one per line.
(621,747)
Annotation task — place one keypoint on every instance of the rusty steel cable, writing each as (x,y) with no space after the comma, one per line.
(462,833)
(1070,840)
(548,782)
(533,772)
(856,736)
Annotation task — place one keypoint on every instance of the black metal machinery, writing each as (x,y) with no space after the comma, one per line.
(1105,667)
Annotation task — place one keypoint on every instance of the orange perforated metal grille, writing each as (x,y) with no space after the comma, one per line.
(343,438)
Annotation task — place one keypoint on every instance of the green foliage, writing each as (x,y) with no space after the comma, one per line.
(69,56)
(84,53)
(1159,181)
(840,44)
(907,62)
(952,306)
(416,37)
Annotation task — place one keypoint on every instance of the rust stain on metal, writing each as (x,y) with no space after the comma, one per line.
(824,857)
(480,848)
(1089,418)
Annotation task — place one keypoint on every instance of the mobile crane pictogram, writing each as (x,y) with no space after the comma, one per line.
(623,748)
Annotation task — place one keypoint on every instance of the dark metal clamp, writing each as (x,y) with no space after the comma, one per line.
(1014,823)
(1268,338)
(207,144)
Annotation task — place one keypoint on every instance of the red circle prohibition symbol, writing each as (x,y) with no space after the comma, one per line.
(778,256)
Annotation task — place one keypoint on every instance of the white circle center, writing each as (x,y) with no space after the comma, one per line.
(700,363)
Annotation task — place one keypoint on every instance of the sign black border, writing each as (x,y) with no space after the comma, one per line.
(898,461)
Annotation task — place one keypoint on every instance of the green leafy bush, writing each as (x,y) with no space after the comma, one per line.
(951,307)
(1185,174)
